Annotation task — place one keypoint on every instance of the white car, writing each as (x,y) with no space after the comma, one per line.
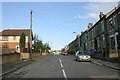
(56,53)
(81,56)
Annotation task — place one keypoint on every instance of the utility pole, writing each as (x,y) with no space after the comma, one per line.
(30,34)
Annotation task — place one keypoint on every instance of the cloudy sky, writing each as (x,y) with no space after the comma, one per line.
(54,22)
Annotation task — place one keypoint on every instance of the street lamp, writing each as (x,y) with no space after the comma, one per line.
(78,36)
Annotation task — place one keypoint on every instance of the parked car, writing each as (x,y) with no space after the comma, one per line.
(63,53)
(55,53)
(82,56)
(91,52)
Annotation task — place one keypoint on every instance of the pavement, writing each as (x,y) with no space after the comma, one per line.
(10,67)
(106,63)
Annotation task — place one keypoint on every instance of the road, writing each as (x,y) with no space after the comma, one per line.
(60,66)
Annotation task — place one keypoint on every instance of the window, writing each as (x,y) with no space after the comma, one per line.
(98,43)
(119,18)
(14,37)
(111,24)
(86,45)
(92,34)
(112,42)
(5,38)
(103,41)
(5,46)
(117,41)
(102,23)
(85,36)
(93,31)
(114,20)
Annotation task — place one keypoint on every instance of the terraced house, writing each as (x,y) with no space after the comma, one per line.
(104,35)
(113,32)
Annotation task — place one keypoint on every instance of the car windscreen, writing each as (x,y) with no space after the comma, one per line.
(81,53)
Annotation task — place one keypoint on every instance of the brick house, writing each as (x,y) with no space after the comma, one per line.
(11,38)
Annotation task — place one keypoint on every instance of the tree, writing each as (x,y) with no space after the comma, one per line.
(37,42)
(22,40)
(46,47)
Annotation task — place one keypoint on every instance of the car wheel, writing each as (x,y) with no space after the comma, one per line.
(77,60)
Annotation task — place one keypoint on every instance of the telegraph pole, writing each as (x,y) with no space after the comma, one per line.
(30,34)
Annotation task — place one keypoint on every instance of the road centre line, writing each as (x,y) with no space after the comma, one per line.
(64,74)
(61,64)
(60,60)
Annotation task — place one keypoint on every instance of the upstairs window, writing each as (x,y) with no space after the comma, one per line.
(92,34)
(5,38)
(110,24)
(119,18)
(14,37)
(102,23)
(86,36)
(114,21)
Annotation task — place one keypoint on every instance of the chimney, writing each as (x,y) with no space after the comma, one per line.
(90,25)
(81,32)
(101,15)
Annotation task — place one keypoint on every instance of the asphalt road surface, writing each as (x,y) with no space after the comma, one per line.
(60,66)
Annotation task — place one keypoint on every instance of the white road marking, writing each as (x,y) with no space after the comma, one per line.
(60,60)
(64,74)
(61,64)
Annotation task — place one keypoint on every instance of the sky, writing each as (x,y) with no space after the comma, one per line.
(54,22)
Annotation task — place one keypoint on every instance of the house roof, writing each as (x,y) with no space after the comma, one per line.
(16,32)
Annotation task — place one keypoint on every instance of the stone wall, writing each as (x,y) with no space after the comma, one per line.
(28,55)
(6,58)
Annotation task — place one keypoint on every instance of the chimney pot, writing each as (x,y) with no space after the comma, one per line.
(101,15)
